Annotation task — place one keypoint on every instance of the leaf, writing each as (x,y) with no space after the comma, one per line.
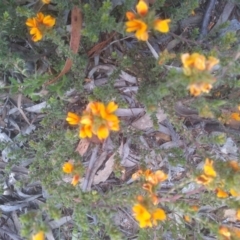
(102,175)
(82,146)
(76,25)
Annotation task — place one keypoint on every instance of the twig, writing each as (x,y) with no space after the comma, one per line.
(153,51)
(89,169)
(19,101)
(206,18)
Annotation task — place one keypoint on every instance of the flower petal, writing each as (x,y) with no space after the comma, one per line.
(72,118)
(130,15)
(38,236)
(162,25)
(102,132)
(31,22)
(67,167)
(49,21)
(142,8)
(111,107)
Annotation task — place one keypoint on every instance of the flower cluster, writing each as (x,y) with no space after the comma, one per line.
(198,68)
(141,22)
(70,168)
(210,174)
(145,211)
(97,119)
(39,25)
(38,236)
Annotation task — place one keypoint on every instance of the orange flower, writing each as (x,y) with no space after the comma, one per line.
(209,173)
(197,88)
(195,208)
(142,8)
(225,232)
(221,193)
(68,167)
(38,236)
(158,215)
(162,25)
(138,26)
(137,175)
(235,116)
(147,187)
(187,218)
(234,165)
(140,22)
(99,119)
(39,25)
(155,178)
(203,179)
(46,1)
(142,216)
(72,118)
(155,199)
(197,62)
(208,168)
(145,218)
(75,180)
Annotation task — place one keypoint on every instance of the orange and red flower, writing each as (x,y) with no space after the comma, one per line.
(140,22)
(39,25)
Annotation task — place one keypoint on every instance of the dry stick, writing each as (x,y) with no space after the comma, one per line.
(183,39)
(176,197)
(206,18)
(89,169)
(19,101)
(75,37)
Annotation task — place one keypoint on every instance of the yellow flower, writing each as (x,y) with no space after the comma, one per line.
(38,236)
(203,179)
(209,173)
(235,116)
(46,1)
(147,219)
(99,119)
(140,22)
(142,8)
(39,25)
(194,61)
(234,193)
(75,180)
(221,193)
(137,175)
(225,232)
(208,168)
(197,88)
(134,24)
(198,62)
(162,25)
(187,218)
(142,216)
(155,178)
(211,62)
(138,26)
(68,167)
(72,118)
(158,215)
